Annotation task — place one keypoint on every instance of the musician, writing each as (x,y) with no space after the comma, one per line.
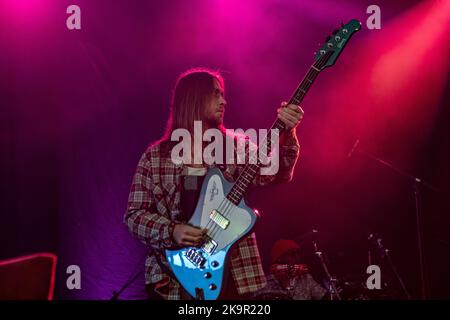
(164,194)
(289,278)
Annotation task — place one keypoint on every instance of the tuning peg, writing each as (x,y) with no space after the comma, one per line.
(335,31)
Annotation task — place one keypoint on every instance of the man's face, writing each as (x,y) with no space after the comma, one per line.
(215,110)
(291,257)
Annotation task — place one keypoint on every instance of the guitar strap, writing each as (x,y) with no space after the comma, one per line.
(190,193)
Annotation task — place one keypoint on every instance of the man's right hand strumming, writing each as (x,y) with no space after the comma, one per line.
(188,236)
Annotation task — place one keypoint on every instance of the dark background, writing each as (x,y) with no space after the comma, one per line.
(79,107)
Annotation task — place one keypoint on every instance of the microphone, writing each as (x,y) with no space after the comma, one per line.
(353,148)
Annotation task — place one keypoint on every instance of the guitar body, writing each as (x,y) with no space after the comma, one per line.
(201,270)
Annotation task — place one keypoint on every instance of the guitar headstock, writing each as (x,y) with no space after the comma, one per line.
(335,43)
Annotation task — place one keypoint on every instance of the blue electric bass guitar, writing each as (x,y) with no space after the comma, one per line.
(221,208)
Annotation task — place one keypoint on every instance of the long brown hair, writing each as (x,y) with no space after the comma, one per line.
(193,91)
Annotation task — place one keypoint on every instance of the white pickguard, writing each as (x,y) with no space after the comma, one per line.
(240,219)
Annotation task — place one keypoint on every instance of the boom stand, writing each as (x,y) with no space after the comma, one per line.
(334,294)
(416,183)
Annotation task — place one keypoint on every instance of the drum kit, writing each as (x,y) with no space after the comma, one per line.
(352,286)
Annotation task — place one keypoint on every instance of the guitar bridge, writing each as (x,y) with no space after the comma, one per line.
(195,257)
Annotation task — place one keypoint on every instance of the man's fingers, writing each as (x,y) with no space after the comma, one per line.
(191,238)
(288,117)
(286,121)
(295,107)
(188,243)
(192,241)
(287,112)
(291,117)
(193,231)
(187,235)
(294,110)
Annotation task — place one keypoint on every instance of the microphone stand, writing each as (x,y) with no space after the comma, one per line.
(331,280)
(416,182)
(384,253)
(116,294)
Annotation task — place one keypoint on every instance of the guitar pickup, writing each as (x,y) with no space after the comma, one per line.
(209,246)
(219,219)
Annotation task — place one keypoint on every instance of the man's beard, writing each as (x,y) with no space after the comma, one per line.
(214,122)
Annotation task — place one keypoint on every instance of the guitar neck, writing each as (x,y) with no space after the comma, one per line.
(299,94)
(245,179)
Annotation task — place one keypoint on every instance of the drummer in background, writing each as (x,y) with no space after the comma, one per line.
(289,279)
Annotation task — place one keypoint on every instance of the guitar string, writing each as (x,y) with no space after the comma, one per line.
(228,209)
(229,205)
(304,85)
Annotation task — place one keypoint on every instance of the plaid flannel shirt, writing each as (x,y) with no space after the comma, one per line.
(154,209)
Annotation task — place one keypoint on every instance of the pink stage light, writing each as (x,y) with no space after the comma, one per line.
(386,87)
